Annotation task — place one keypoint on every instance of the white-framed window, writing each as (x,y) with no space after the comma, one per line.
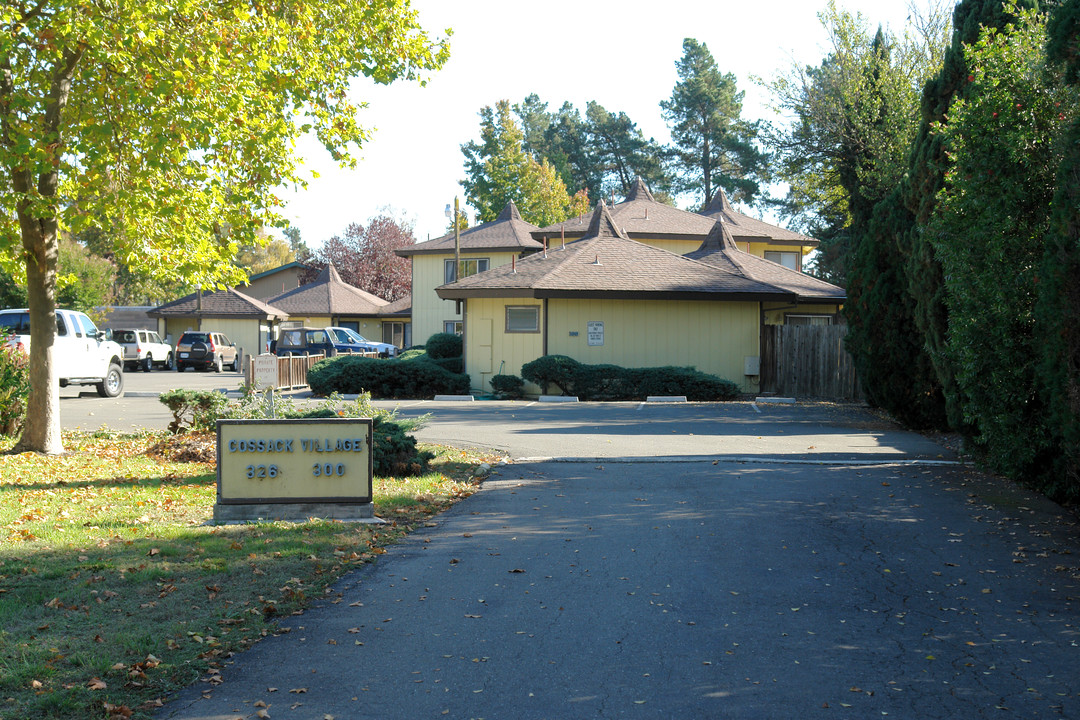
(807,319)
(469,266)
(452,326)
(790,260)
(523,318)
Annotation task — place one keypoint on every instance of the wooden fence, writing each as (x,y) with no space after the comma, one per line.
(293,370)
(808,361)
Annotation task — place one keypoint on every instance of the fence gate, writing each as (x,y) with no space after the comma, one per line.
(808,361)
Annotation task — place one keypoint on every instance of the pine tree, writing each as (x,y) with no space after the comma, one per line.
(713,145)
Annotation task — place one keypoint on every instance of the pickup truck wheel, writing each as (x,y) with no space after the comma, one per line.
(148,362)
(113,384)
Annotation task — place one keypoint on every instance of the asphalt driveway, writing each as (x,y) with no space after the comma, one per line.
(691,561)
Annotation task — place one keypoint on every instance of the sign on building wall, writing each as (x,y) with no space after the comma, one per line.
(294,469)
(596,332)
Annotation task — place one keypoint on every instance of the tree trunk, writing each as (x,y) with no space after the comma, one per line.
(41,432)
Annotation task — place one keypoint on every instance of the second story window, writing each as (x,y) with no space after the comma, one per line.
(469,266)
(790,260)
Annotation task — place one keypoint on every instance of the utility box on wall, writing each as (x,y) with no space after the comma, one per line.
(752,365)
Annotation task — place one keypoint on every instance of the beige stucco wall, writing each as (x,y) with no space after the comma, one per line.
(714,337)
(428,311)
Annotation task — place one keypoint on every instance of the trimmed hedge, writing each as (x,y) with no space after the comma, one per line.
(444,345)
(385,378)
(507,387)
(611,382)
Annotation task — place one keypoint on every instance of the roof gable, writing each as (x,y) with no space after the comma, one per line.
(720,251)
(508,232)
(328,294)
(221,303)
(743,227)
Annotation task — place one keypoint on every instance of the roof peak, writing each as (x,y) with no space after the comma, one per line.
(640,191)
(602,224)
(719,203)
(510,212)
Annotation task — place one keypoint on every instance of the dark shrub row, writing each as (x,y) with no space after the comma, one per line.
(611,382)
(417,378)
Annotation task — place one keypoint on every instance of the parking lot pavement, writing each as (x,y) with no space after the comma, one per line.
(81,408)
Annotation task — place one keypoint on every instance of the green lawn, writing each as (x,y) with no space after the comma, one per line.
(114,591)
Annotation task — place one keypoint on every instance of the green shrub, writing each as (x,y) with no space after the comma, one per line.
(196,410)
(508,387)
(14,386)
(611,382)
(444,345)
(385,378)
(557,370)
(453,364)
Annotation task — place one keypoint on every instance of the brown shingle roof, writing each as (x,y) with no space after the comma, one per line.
(328,295)
(640,216)
(508,232)
(608,264)
(747,229)
(230,303)
(401,306)
(719,250)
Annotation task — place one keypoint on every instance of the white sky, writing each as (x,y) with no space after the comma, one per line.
(562,50)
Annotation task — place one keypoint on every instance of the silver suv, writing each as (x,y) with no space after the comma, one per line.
(203,350)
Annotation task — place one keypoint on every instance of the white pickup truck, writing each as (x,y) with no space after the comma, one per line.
(83,354)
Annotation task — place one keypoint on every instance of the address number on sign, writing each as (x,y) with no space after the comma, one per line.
(328,469)
(262,471)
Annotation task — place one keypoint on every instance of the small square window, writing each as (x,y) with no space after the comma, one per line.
(523,319)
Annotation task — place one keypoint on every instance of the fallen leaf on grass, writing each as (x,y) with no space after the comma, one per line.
(298,690)
(117,712)
(96,684)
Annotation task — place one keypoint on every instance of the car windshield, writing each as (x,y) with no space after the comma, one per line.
(355,336)
(191,337)
(124,336)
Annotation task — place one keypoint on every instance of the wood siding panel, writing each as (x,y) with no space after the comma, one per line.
(428,311)
(489,349)
(713,337)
